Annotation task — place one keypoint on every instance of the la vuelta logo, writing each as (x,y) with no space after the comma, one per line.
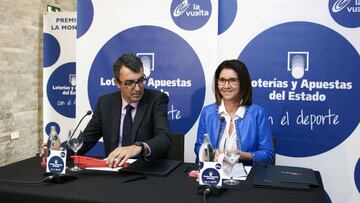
(345,12)
(190,14)
(340,5)
(181,8)
(196,10)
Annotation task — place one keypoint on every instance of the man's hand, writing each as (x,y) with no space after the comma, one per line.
(120,155)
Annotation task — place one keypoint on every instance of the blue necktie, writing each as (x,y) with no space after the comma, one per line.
(127,124)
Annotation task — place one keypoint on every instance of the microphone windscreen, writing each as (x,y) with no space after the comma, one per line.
(58,178)
(214,190)
(88,112)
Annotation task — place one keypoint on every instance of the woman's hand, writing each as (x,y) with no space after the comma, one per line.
(217,154)
(43,152)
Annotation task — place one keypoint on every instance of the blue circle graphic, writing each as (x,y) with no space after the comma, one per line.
(345,12)
(227,14)
(85,15)
(61,89)
(304,74)
(48,128)
(51,52)
(327,198)
(190,14)
(170,64)
(357,175)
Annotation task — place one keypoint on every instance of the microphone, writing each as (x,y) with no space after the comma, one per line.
(210,190)
(87,113)
(58,178)
(222,119)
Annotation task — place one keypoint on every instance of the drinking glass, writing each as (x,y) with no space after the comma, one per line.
(231,155)
(75,142)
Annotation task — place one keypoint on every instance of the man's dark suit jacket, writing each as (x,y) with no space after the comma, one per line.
(150,123)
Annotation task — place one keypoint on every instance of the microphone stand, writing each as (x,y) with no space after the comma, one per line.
(87,113)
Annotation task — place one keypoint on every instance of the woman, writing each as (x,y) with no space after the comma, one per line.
(234,118)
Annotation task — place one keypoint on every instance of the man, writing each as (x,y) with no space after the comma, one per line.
(144,133)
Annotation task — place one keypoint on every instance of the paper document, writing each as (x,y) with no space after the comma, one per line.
(129,161)
(239,171)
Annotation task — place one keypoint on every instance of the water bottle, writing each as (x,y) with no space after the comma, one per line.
(53,142)
(206,152)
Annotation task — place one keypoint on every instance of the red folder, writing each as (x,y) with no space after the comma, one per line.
(85,162)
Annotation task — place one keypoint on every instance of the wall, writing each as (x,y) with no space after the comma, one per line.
(21,29)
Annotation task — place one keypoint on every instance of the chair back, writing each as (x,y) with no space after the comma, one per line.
(274,143)
(176,151)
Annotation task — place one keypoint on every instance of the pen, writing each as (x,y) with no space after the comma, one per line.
(134,179)
(187,169)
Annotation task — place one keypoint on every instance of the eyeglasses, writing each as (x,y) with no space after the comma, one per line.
(230,81)
(130,84)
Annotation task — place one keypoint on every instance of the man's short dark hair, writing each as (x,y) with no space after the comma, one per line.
(245,94)
(128,60)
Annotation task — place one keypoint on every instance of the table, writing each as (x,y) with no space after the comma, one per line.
(108,187)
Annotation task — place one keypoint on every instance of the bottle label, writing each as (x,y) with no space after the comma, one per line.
(56,162)
(211,174)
